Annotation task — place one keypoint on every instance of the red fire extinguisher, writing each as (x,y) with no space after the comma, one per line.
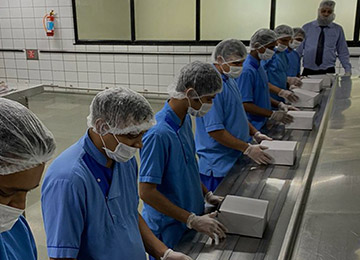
(48,23)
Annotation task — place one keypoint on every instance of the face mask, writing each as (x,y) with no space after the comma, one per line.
(281,47)
(8,217)
(325,21)
(234,72)
(205,107)
(122,152)
(267,55)
(294,44)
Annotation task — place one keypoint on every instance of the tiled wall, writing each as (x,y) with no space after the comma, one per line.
(21,27)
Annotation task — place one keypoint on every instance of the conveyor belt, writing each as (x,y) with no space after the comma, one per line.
(277,184)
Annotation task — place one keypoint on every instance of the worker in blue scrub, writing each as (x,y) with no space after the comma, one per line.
(253,84)
(277,67)
(293,56)
(25,146)
(170,184)
(325,41)
(90,196)
(223,135)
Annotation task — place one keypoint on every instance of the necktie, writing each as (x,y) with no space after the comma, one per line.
(320,47)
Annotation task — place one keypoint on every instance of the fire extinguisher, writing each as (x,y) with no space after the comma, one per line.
(48,23)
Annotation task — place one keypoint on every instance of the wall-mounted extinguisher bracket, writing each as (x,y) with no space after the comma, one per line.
(48,23)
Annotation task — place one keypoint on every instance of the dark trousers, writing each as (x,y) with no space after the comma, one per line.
(307,72)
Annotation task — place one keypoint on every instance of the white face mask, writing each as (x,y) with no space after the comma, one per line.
(122,152)
(294,44)
(267,55)
(8,217)
(324,21)
(234,72)
(281,48)
(205,107)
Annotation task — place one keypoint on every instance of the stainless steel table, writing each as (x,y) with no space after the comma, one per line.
(280,185)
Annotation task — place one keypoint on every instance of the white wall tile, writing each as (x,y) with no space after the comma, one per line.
(121,78)
(11,73)
(6,33)
(165,80)
(22,74)
(151,68)
(136,68)
(19,44)
(150,59)
(121,58)
(34,74)
(4,12)
(7,43)
(121,67)
(136,79)
(16,23)
(83,85)
(151,80)
(166,69)
(14,3)
(93,57)
(27,12)
(166,59)
(59,75)
(83,76)
(28,23)
(17,33)
(107,67)
(45,65)
(70,66)
(182,59)
(93,66)
(107,58)
(108,77)
(82,66)
(57,65)
(9,63)
(21,64)
(71,76)
(70,57)
(94,77)
(33,64)
(5,23)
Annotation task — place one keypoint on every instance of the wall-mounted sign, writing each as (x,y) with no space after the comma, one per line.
(32,54)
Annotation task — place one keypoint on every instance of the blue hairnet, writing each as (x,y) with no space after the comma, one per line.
(229,50)
(24,141)
(200,76)
(120,111)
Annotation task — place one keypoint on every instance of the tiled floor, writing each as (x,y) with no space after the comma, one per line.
(65,115)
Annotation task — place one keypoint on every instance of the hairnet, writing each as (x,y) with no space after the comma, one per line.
(327,3)
(261,38)
(298,32)
(283,31)
(120,111)
(200,76)
(24,141)
(229,50)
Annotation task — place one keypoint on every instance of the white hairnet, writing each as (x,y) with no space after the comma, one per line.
(230,50)
(200,76)
(120,111)
(327,3)
(283,31)
(261,38)
(298,32)
(24,141)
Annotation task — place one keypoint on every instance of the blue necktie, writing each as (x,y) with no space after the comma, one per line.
(320,47)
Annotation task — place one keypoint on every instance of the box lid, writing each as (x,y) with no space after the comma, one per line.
(245,206)
(302,114)
(312,80)
(280,145)
(305,92)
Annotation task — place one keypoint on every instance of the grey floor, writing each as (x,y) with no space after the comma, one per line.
(65,116)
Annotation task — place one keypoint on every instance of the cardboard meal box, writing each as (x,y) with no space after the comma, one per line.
(312,84)
(303,120)
(244,216)
(282,152)
(308,99)
(327,79)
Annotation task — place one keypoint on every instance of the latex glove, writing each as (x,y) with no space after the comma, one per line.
(207,224)
(289,95)
(213,199)
(172,255)
(258,137)
(286,108)
(256,153)
(347,74)
(282,117)
(294,81)
(292,87)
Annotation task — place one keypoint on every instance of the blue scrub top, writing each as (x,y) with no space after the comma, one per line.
(294,63)
(226,113)
(276,69)
(18,243)
(80,221)
(168,160)
(253,84)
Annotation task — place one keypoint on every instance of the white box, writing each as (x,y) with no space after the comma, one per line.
(307,98)
(327,79)
(244,216)
(303,120)
(312,84)
(282,152)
